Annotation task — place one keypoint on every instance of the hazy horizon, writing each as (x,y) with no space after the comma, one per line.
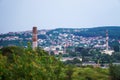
(22,15)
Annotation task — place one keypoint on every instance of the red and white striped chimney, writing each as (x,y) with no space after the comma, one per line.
(34,38)
(107,38)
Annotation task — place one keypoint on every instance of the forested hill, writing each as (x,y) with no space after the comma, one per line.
(113,31)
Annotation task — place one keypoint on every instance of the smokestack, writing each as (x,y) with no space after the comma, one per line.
(34,38)
(107,40)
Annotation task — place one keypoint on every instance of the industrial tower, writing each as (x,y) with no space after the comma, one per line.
(107,38)
(34,38)
(107,50)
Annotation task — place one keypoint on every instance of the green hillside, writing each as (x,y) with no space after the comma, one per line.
(114,32)
(17,63)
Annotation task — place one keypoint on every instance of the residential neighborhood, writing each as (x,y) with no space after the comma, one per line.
(57,40)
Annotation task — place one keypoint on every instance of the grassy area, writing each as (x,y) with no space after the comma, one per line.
(88,73)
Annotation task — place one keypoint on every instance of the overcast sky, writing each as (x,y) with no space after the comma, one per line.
(22,15)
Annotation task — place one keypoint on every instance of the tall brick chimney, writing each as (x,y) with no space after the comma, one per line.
(34,38)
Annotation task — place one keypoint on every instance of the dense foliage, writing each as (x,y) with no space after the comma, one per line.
(114,72)
(29,65)
(18,63)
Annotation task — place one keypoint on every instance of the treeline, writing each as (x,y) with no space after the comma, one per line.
(14,43)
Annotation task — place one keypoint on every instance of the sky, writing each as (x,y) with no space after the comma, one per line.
(22,15)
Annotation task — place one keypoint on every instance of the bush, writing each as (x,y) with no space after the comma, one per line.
(30,65)
(114,72)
